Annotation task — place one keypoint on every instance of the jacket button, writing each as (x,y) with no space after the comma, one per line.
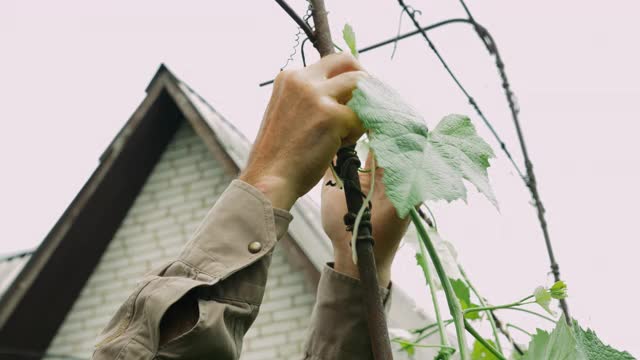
(255,247)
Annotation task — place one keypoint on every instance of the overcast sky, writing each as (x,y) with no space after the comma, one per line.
(72,72)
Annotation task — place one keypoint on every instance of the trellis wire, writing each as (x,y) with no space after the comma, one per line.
(529,179)
(296,40)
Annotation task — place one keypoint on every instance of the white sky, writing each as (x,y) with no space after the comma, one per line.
(71,73)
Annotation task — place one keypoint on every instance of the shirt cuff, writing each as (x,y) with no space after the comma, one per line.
(240,228)
(339,322)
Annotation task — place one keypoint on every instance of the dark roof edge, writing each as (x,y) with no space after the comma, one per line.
(40,256)
(162,70)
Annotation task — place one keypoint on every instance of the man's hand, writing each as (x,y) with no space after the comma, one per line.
(388,229)
(305,124)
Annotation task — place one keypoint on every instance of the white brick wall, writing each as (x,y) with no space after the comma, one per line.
(179,192)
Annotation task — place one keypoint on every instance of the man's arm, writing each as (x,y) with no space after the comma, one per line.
(201,304)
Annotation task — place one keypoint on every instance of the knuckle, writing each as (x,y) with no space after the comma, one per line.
(282,76)
(357,75)
(290,78)
(295,83)
(322,106)
(349,60)
(360,74)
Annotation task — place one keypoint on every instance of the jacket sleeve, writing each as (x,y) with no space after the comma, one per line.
(223,268)
(338,329)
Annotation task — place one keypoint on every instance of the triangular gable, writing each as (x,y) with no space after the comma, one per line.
(36,302)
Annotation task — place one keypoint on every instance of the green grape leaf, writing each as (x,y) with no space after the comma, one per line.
(420,164)
(571,343)
(592,348)
(537,346)
(462,290)
(560,344)
(349,37)
(482,353)
(463,294)
(422,262)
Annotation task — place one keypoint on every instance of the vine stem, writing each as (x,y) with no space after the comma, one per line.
(430,326)
(422,337)
(483,303)
(519,328)
(434,297)
(533,313)
(482,341)
(365,204)
(497,307)
(452,300)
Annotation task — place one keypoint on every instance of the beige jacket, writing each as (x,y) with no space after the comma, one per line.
(224,268)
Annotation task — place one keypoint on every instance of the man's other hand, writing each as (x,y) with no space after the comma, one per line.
(388,228)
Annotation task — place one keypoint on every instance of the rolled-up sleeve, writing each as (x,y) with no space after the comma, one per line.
(338,328)
(224,265)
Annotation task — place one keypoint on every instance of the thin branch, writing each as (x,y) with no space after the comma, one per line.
(481,340)
(421,330)
(520,329)
(301,23)
(533,313)
(365,206)
(322,36)
(434,297)
(506,333)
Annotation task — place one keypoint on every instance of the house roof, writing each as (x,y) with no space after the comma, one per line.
(54,274)
(10,267)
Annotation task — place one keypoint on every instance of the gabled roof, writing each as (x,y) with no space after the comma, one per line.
(37,300)
(10,267)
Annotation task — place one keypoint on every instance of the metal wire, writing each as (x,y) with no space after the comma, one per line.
(411,12)
(395,43)
(301,23)
(388,41)
(530,179)
(297,36)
